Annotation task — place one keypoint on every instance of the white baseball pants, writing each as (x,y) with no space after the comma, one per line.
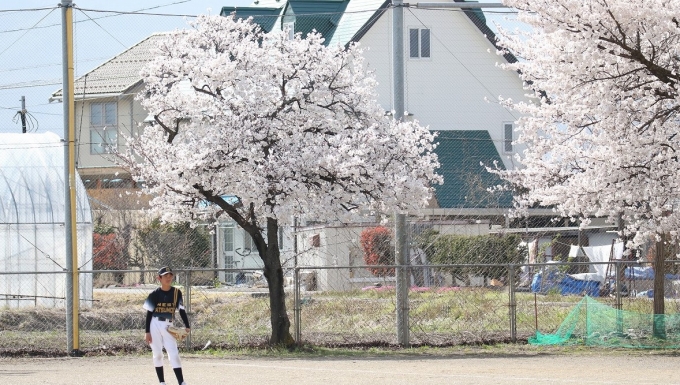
(160,338)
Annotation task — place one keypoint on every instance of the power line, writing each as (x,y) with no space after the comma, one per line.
(101,17)
(51,64)
(102,28)
(27,9)
(20,37)
(135,13)
(34,83)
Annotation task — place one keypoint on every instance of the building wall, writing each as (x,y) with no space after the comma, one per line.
(130,115)
(340,246)
(235,250)
(448,91)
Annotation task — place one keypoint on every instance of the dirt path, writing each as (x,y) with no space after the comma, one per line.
(464,369)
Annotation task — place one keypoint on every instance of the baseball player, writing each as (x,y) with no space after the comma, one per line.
(160,308)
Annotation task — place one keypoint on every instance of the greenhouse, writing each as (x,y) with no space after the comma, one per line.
(32,218)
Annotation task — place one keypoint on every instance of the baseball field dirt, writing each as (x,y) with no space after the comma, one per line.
(478,369)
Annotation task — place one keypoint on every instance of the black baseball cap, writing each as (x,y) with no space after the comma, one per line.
(164,270)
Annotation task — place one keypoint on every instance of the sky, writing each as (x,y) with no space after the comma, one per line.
(31,46)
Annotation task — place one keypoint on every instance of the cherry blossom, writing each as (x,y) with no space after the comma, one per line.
(602,128)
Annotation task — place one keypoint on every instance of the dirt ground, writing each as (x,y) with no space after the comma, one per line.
(478,369)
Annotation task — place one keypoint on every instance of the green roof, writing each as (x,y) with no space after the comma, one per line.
(461,155)
(264,16)
(320,15)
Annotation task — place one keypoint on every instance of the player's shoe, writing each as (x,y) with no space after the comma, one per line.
(162,383)
(183,383)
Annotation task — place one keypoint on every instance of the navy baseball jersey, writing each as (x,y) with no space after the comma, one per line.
(162,304)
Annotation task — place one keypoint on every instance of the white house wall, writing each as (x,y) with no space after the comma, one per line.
(247,258)
(340,246)
(448,91)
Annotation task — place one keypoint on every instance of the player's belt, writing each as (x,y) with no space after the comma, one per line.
(164,319)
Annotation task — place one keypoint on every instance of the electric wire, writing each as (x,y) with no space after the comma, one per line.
(102,28)
(101,17)
(27,31)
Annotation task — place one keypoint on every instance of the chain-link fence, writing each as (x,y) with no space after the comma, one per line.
(327,306)
(476,274)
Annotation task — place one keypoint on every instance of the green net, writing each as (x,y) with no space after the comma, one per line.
(597,324)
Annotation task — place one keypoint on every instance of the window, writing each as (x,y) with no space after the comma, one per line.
(507,141)
(247,243)
(280,238)
(103,127)
(291,30)
(228,238)
(419,42)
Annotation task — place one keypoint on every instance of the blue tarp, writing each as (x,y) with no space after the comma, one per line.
(564,284)
(636,272)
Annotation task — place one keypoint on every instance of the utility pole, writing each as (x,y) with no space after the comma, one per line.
(398,108)
(72,290)
(22,113)
(401,249)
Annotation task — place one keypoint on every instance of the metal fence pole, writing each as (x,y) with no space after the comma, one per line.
(617,283)
(402,284)
(513,303)
(618,302)
(187,277)
(296,304)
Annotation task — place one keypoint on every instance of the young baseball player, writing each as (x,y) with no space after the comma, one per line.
(160,308)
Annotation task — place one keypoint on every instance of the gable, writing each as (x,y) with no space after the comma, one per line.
(463,156)
(339,21)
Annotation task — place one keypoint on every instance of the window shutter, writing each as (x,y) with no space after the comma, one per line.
(424,43)
(413,43)
(508,137)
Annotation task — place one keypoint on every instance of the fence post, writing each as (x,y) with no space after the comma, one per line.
(402,283)
(617,284)
(618,305)
(513,303)
(296,304)
(187,300)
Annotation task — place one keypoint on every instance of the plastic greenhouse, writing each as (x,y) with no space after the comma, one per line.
(32,217)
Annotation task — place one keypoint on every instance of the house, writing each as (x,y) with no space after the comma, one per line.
(451,82)
(105,111)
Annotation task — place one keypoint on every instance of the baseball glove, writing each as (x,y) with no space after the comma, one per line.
(179,333)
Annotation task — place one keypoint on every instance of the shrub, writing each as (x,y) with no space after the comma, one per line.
(376,243)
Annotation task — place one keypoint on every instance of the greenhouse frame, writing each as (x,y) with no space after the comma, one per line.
(32,223)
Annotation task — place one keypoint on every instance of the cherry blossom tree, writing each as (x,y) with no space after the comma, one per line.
(602,130)
(261,128)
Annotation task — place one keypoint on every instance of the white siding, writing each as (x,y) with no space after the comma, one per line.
(448,91)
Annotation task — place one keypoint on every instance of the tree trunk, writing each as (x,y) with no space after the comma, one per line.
(273,272)
(269,253)
(659,327)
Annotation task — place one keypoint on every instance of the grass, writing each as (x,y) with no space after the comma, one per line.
(341,321)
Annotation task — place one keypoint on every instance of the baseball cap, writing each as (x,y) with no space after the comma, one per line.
(164,270)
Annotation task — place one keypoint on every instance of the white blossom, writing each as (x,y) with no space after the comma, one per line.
(602,131)
(289,126)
